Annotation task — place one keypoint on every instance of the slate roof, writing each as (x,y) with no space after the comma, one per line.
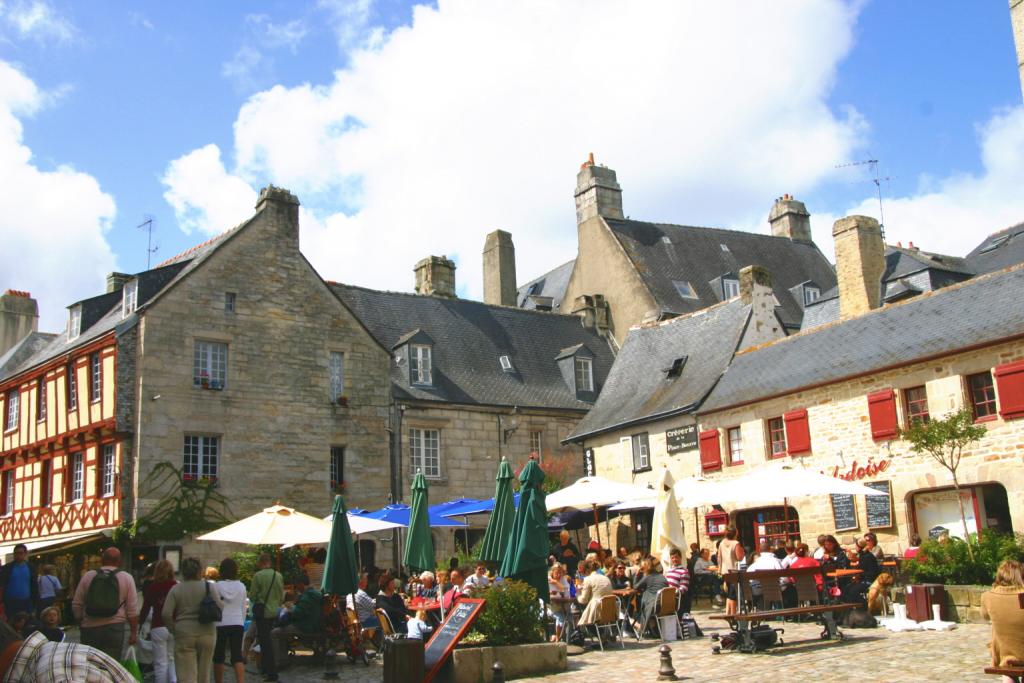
(551,284)
(469,337)
(639,389)
(983,310)
(663,253)
(999,250)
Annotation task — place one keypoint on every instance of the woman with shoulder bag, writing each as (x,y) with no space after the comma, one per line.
(153,597)
(187,612)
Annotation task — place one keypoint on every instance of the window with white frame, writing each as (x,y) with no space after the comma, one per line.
(229,302)
(13,410)
(129,298)
(537,442)
(425,452)
(811,294)
(730,288)
(41,399)
(641,452)
(684,289)
(584,374)
(95,377)
(77,491)
(735,446)
(337,368)
(201,457)
(210,365)
(71,382)
(74,322)
(107,471)
(8,493)
(337,466)
(420,364)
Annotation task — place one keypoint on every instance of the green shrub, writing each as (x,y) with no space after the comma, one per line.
(512,615)
(951,562)
(247,561)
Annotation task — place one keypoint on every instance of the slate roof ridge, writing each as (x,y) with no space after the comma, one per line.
(684,316)
(710,227)
(925,259)
(924,296)
(1000,232)
(512,309)
(196,249)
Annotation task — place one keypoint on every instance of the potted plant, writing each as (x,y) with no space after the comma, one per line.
(204,379)
(342,401)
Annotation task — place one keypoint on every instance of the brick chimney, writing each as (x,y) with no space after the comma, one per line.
(756,292)
(282,209)
(435,276)
(19,317)
(499,269)
(860,263)
(789,218)
(597,192)
(1017,19)
(116,281)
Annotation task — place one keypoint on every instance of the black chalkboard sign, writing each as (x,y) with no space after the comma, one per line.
(879,507)
(449,633)
(844,511)
(681,439)
(589,465)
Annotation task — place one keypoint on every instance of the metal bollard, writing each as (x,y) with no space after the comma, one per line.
(330,665)
(497,673)
(666,672)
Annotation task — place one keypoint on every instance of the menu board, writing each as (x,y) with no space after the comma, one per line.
(844,511)
(681,439)
(449,633)
(879,507)
(589,465)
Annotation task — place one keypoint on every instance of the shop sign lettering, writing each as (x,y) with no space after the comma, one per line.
(858,471)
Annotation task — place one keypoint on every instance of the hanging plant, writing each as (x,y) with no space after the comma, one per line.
(187,507)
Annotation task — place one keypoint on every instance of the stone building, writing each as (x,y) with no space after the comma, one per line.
(832,399)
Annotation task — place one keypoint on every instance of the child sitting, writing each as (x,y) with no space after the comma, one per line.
(417,626)
(51,624)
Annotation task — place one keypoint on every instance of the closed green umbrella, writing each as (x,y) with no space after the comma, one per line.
(499,526)
(526,558)
(340,574)
(419,546)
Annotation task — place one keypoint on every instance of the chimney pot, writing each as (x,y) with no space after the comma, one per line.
(597,192)
(860,263)
(756,291)
(435,276)
(116,281)
(499,269)
(789,218)
(19,317)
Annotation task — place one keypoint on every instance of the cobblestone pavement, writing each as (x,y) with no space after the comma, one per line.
(873,654)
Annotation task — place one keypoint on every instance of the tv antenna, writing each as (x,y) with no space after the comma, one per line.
(872,164)
(148,226)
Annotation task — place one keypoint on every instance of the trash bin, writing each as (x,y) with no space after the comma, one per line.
(921,597)
(403,659)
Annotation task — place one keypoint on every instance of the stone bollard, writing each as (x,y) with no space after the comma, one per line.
(666,672)
(497,673)
(330,665)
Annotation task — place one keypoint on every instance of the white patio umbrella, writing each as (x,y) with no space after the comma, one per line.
(788,480)
(693,492)
(276,525)
(593,492)
(667,529)
(359,524)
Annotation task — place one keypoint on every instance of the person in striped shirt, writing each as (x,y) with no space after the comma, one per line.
(678,577)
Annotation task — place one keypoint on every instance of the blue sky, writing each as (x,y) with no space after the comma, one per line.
(408,132)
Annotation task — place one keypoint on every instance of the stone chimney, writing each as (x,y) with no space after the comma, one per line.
(597,192)
(435,276)
(1017,19)
(116,281)
(756,292)
(282,209)
(789,218)
(592,312)
(19,317)
(499,269)
(860,263)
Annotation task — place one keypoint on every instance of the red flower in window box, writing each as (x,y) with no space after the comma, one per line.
(342,401)
(339,486)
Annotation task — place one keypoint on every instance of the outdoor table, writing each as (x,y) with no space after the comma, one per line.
(429,605)
(841,573)
(566,603)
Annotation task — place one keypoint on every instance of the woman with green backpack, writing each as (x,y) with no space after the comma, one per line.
(190,611)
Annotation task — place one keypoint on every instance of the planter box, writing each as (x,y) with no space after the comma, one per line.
(963,603)
(473,664)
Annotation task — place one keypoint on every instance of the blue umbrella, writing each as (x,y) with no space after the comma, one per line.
(478,508)
(399,514)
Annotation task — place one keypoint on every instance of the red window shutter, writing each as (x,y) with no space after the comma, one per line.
(798,433)
(882,412)
(1010,387)
(710,451)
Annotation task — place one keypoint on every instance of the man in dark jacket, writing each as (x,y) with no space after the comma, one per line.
(18,583)
(305,618)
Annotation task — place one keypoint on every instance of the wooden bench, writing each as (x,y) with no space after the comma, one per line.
(771,593)
(1014,672)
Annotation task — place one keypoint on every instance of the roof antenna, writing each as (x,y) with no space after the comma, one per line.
(873,165)
(150,249)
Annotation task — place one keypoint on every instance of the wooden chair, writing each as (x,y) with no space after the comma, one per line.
(667,604)
(364,635)
(608,619)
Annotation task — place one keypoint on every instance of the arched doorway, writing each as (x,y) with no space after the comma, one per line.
(934,511)
(776,525)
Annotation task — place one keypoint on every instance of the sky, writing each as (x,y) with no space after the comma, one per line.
(410,130)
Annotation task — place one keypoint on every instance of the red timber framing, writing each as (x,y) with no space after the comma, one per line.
(41,449)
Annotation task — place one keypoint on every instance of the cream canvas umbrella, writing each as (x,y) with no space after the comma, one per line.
(694,492)
(275,525)
(592,493)
(787,480)
(667,530)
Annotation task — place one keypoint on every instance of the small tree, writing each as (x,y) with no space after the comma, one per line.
(945,439)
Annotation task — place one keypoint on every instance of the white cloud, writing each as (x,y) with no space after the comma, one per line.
(478,115)
(251,66)
(60,217)
(953,215)
(289,34)
(205,197)
(38,20)
(350,20)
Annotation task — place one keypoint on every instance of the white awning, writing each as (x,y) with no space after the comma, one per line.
(73,539)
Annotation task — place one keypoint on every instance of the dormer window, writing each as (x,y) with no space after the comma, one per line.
(730,288)
(420,364)
(584,374)
(506,363)
(684,289)
(811,294)
(129,298)
(74,322)
(677,367)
